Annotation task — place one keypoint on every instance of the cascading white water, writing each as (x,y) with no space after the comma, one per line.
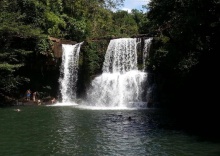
(120,85)
(69,72)
(147,44)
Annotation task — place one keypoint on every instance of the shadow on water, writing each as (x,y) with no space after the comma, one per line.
(196,121)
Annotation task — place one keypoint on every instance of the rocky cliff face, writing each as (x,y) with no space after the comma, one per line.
(57,46)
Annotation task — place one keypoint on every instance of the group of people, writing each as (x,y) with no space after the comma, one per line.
(30,95)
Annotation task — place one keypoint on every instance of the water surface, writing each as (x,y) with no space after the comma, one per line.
(72,131)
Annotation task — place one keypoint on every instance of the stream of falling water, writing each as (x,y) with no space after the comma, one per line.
(121,83)
(69,72)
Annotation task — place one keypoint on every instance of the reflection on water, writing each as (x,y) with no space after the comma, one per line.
(76,131)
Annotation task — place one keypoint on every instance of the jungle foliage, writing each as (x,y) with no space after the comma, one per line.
(187,47)
(185,60)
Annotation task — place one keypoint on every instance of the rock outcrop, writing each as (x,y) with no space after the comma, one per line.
(57,46)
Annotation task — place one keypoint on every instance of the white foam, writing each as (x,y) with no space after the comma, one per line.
(64,104)
(107,108)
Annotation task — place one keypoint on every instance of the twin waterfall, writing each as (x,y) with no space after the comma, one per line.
(121,84)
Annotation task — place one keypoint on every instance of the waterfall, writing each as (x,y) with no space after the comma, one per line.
(69,72)
(121,83)
(147,44)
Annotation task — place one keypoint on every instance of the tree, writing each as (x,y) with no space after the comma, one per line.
(185,55)
(124,23)
(16,43)
(141,20)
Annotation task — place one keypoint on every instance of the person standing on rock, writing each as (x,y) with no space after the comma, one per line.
(34,96)
(28,94)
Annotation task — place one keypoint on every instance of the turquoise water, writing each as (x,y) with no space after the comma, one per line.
(71,131)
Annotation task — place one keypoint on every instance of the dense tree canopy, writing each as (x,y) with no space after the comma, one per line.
(188,33)
(185,59)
